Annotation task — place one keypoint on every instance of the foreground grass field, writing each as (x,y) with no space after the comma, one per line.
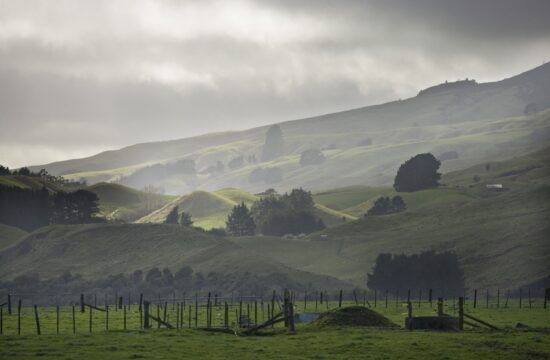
(308,342)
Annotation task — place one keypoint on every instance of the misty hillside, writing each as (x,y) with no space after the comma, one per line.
(462,122)
(500,237)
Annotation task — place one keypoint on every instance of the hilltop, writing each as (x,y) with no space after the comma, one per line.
(477,121)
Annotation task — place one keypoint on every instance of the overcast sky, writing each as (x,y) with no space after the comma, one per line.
(80,77)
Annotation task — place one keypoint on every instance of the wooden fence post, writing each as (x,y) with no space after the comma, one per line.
(291,316)
(340,299)
(386,299)
(90,309)
(410,315)
(1,320)
(9,304)
(120,299)
(419,297)
(475,298)
(178,316)
(498,298)
(107,318)
(487,299)
(255,312)
(440,307)
(375,297)
(74,320)
(57,319)
(529,294)
(124,316)
(321,297)
(19,317)
(355,297)
(430,299)
(36,318)
(408,295)
(546,296)
(82,303)
(146,324)
(226,315)
(461,313)
(190,311)
(140,301)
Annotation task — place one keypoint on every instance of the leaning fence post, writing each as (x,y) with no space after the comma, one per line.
(37,320)
(146,324)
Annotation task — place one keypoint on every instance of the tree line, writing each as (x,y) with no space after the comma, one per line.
(30,209)
(427,270)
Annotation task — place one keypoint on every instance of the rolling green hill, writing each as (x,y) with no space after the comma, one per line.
(501,238)
(481,122)
(97,250)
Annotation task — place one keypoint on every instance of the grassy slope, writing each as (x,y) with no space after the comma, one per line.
(501,238)
(480,124)
(96,250)
(121,202)
(10,235)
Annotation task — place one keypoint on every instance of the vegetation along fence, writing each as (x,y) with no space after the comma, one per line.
(21,315)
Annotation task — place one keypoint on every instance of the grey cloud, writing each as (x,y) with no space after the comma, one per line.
(99,77)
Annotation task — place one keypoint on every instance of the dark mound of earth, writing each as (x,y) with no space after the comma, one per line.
(353,316)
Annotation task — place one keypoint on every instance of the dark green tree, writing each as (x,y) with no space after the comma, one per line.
(240,221)
(418,173)
(185,219)
(172,217)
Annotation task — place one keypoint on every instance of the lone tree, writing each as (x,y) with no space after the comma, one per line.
(240,222)
(273,147)
(185,219)
(172,217)
(418,173)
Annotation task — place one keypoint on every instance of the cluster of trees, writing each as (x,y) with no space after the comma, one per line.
(25,171)
(427,270)
(418,173)
(30,209)
(384,205)
(174,217)
(276,215)
(152,283)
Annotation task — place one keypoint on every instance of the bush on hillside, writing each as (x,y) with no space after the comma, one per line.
(384,205)
(312,157)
